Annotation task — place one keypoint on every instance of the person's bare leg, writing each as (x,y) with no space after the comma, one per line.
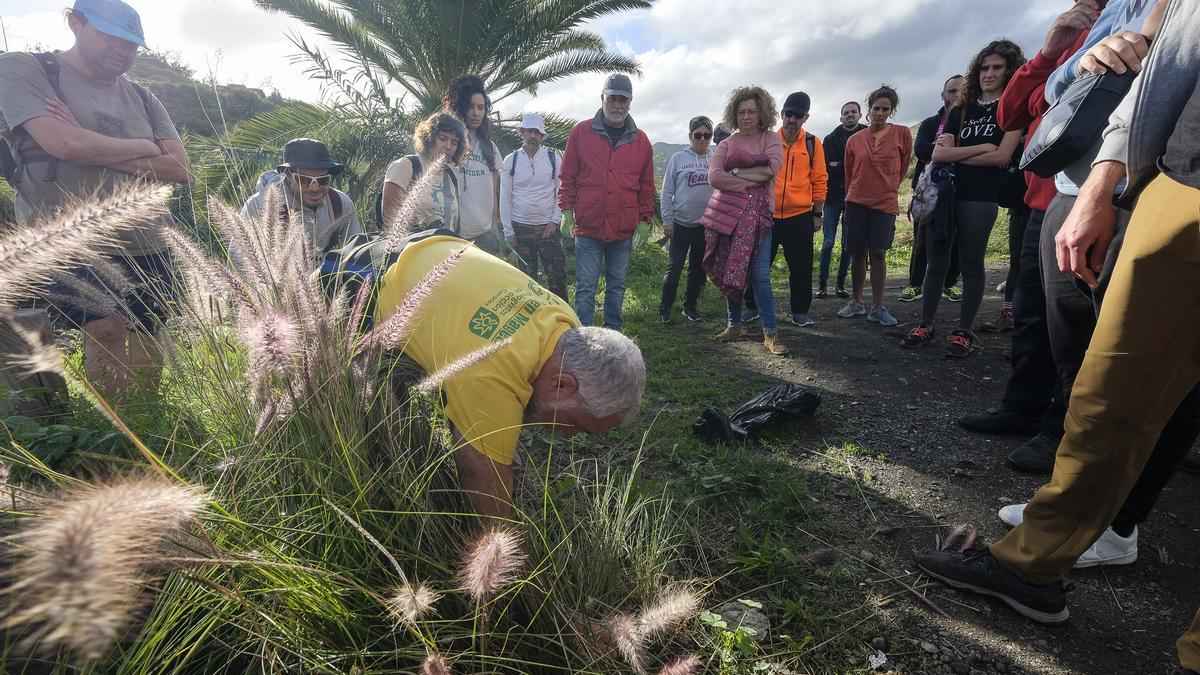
(858,274)
(878,277)
(105,355)
(145,360)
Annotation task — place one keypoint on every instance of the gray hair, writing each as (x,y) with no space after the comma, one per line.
(608,367)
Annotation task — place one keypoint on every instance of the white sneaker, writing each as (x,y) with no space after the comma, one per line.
(1110,549)
(852,309)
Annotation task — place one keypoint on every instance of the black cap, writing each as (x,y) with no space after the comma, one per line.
(307,153)
(797,102)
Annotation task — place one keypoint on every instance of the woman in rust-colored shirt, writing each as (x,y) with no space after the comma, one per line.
(876,162)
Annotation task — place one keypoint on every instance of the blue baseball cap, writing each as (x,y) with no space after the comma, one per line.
(114,18)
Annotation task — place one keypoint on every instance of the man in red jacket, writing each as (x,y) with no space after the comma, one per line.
(606,189)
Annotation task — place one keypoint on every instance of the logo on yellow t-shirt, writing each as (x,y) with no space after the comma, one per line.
(484,323)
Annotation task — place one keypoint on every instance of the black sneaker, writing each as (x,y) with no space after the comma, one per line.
(1035,456)
(1000,421)
(841,292)
(917,337)
(821,293)
(692,315)
(664,316)
(977,571)
(961,343)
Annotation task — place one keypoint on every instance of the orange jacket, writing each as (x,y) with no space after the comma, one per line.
(802,180)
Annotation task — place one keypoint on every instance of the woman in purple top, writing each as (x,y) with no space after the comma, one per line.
(745,165)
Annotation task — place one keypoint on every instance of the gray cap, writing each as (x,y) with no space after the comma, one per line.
(618,85)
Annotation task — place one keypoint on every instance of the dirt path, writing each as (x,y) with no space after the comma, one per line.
(900,406)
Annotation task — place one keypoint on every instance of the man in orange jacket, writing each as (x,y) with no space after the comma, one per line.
(800,190)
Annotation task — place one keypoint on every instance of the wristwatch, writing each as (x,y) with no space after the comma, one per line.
(735,171)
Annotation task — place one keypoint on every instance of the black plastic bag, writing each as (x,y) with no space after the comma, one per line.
(777,405)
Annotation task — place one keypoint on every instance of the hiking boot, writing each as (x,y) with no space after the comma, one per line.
(773,345)
(977,571)
(953,294)
(801,320)
(1035,456)
(1002,322)
(664,316)
(852,309)
(961,344)
(917,337)
(749,315)
(910,294)
(1000,421)
(882,317)
(730,334)
(1110,549)
(692,315)
(821,293)
(841,292)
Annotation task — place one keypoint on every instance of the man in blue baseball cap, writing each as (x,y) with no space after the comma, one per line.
(77,127)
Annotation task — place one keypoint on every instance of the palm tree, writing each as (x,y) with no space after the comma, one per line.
(421,45)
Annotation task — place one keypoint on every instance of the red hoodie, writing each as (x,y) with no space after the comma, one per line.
(1021,107)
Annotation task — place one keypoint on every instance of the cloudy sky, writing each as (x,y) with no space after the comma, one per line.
(692,52)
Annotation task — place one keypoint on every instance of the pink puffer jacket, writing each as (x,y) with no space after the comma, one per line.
(725,208)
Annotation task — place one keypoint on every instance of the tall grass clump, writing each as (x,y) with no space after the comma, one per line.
(333,538)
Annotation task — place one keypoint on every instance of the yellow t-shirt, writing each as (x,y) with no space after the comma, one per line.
(481,301)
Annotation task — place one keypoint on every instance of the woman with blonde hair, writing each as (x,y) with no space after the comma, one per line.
(738,221)
(439,138)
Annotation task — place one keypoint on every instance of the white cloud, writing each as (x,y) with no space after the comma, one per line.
(692,52)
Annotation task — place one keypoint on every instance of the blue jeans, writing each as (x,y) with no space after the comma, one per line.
(760,285)
(831,215)
(588,256)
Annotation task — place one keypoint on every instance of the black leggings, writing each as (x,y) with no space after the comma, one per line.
(973,222)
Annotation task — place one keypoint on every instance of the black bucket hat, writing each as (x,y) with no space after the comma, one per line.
(308,153)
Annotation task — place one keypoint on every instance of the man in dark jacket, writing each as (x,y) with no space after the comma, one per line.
(835,200)
(606,189)
(927,134)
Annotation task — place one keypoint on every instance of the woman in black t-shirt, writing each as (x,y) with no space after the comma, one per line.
(980,152)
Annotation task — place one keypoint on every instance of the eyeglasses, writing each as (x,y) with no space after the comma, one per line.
(321,181)
(700,136)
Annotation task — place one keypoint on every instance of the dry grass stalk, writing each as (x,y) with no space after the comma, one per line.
(667,613)
(684,665)
(627,636)
(43,356)
(79,567)
(492,562)
(392,333)
(396,228)
(435,665)
(431,384)
(409,603)
(29,254)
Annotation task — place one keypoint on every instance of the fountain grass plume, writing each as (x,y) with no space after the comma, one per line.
(30,253)
(434,664)
(391,333)
(684,665)
(430,385)
(401,222)
(271,339)
(43,356)
(114,278)
(80,565)
(408,603)
(213,276)
(244,238)
(628,639)
(670,610)
(491,563)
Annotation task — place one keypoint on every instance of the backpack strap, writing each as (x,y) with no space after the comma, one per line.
(415,161)
(336,205)
(553,165)
(810,142)
(34,153)
(512,169)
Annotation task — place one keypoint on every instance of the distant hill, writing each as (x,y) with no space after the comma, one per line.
(198,107)
(663,152)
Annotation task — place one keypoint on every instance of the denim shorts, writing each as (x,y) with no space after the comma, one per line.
(155,288)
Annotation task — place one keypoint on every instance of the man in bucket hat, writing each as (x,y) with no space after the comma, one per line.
(77,127)
(305,178)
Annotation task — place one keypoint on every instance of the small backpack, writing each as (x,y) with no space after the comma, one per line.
(512,167)
(925,194)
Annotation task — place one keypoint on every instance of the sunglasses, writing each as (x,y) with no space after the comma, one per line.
(321,181)
(792,114)
(700,136)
